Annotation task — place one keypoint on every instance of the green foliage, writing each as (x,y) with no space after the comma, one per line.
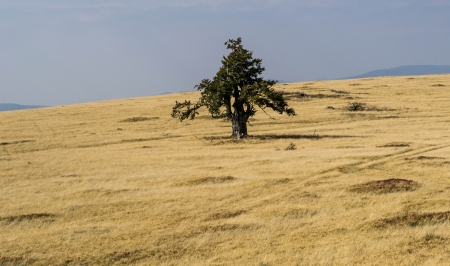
(236,91)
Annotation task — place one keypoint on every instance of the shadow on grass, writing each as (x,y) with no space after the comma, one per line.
(414,219)
(386,186)
(282,136)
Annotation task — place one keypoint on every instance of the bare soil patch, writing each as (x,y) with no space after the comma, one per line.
(386,186)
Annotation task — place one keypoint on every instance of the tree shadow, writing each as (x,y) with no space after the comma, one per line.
(283,136)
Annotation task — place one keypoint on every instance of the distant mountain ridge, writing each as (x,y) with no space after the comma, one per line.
(410,70)
(13,106)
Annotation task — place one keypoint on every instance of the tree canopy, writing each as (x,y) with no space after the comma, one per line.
(235,92)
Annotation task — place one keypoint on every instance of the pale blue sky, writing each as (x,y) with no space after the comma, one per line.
(68,51)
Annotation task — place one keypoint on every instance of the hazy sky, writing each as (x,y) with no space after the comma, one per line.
(68,51)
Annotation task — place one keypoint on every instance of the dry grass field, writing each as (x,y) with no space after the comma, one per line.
(122,183)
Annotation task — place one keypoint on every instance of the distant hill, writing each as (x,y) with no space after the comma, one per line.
(13,106)
(405,71)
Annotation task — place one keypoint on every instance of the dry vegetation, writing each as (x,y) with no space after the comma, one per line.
(120,182)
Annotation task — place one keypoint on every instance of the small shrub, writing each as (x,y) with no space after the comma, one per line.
(290,147)
(356,106)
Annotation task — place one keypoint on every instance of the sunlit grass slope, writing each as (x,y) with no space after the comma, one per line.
(121,182)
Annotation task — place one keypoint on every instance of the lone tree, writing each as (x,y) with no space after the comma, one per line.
(238,88)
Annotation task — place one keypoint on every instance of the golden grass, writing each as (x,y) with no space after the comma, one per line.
(121,182)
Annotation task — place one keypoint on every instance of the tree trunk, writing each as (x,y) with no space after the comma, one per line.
(239,124)
(239,117)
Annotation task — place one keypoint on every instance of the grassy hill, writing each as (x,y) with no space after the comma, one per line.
(121,182)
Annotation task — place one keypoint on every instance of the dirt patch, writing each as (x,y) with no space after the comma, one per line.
(27,217)
(385,186)
(208,180)
(438,85)
(414,219)
(139,119)
(394,144)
